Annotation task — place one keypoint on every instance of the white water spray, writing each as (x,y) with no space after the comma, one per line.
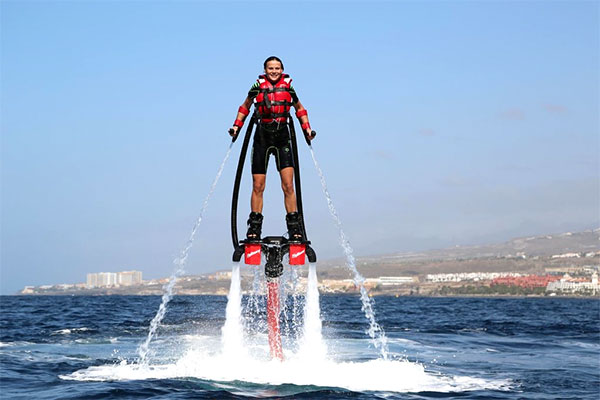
(312,347)
(256,302)
(232,337)
(375,331)
(179,262)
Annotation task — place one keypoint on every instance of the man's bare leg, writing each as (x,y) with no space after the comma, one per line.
(287,184)
(292,219)
(258,188)
(256,204)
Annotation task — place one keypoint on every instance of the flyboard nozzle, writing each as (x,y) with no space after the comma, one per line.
(273,266)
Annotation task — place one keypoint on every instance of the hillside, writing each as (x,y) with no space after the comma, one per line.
(530,254)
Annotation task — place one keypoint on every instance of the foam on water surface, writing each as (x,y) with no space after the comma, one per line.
(373,375)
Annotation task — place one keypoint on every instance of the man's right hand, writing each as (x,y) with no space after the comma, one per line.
(233,132)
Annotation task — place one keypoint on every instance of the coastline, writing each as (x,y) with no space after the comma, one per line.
(349,294)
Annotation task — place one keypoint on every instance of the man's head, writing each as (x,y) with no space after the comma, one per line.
(273,68)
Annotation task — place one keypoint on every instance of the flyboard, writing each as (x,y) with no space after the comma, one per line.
(274,248)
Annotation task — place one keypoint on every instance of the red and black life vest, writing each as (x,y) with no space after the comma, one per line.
(274,100)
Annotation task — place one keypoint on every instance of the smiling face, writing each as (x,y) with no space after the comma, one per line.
(273,70)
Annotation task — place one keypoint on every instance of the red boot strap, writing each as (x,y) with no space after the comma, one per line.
(306,126)
(301,113)
(239,123)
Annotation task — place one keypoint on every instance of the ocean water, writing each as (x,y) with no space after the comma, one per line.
(467,348)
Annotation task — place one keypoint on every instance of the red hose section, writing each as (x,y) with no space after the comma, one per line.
(273,320)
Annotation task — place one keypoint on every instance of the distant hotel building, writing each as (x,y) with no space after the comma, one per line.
(129,278)
(106,279)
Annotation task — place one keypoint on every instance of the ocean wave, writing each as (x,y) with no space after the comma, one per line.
(68,331)
(17,343)
(97,340)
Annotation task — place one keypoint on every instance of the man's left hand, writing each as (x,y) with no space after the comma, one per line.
(310,134)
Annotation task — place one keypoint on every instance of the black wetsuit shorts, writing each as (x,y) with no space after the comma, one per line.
(267,142)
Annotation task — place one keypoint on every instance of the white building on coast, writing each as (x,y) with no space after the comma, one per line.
(107,279)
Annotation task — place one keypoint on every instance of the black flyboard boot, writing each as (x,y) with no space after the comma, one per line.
(294,226)
(254,226)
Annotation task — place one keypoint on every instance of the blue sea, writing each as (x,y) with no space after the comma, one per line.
(469,348)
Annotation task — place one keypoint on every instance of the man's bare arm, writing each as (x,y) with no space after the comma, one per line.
(243,112)
(302,115)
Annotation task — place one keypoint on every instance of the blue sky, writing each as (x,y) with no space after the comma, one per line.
(439,123)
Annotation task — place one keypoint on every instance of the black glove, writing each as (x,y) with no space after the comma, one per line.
(233,133)
(309,136)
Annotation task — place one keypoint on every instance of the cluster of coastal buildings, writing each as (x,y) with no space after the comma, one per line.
(109,279)
(570,285)
(470,276)
(118,280)
(94,280)
(554,283)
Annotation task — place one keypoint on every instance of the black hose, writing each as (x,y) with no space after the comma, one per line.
(238,179)
(297,177)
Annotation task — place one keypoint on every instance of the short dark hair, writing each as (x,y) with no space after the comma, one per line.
(273,58)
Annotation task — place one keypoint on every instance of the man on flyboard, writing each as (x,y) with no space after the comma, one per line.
(274,95)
